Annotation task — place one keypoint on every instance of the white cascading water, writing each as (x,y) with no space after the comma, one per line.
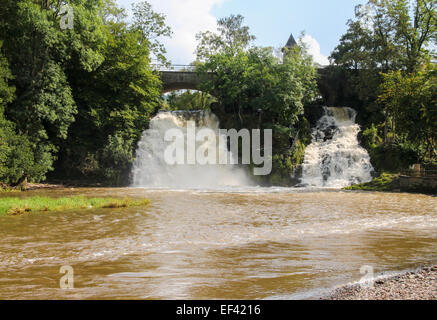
(335,159)
(151,170)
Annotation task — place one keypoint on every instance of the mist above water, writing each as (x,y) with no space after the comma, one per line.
(151,170)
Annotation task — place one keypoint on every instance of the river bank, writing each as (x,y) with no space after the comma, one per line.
(412,285)
(13,204)
(391,182)
(52,185)
(29,187)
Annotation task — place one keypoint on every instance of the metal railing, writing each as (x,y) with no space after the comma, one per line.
(183,67)
(174,68)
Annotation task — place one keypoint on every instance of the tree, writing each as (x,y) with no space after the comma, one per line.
(368,43)
(232,37)
(385,37)
(255,82)
(411,101)
(16,157)
(115,103)
(415,26)
(388,35)
(256,89)
(80,92)
(6,90)
(152,27)
(6,94)
(40,54)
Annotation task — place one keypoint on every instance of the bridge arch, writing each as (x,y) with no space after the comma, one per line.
(179,80)
(186,78)
(180,77)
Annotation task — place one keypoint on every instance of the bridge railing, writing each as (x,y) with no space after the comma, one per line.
(184,68)
(174,67)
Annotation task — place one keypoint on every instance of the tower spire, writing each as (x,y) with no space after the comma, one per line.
(290,43)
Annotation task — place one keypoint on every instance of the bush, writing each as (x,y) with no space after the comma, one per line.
(16,156)
(394,157)
(370,138)
(116,159)
(385,182)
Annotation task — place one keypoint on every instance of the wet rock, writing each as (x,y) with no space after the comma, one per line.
(329,133)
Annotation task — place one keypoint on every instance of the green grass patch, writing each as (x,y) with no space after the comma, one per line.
(385,182)
(17,206)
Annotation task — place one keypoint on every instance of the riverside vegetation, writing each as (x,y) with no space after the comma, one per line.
(17,206)
(73,103)
(388,59)
(385,182)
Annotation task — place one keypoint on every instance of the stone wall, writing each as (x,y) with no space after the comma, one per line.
(420,184)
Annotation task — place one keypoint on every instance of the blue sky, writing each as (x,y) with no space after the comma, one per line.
(324,21)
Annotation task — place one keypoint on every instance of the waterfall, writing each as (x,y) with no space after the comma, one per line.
(335,159)
(150,169)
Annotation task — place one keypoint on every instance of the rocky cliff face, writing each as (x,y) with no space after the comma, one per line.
(313,114)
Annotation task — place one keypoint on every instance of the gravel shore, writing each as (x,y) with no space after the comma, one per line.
(418,285)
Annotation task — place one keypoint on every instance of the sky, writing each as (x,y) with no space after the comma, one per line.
(271,21)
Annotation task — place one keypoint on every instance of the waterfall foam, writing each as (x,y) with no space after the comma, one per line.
(151,170)
(335,159)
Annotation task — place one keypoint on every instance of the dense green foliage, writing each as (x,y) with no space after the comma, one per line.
(254,81)
(385,182)
(82,95)
(16,156)
(383,70)
(115,105)
(188,100)
(411,101)
(74,101)
(232,37)
(152,27)
(256,89)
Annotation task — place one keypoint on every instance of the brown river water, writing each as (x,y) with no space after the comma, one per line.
(242,244)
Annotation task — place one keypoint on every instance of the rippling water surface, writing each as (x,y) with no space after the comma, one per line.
(231,244)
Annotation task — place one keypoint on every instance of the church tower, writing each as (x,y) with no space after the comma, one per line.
(290,44)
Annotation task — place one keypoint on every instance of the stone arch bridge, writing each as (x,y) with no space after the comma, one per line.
(180,77)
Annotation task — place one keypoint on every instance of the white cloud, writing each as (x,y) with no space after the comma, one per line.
(313,48)
(186,18)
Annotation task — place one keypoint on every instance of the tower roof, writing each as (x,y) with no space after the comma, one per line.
(291,42)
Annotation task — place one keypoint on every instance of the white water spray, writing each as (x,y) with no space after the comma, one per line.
(151,170)
(335,159)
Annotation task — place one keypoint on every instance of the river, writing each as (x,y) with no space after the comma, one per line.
(238,243)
